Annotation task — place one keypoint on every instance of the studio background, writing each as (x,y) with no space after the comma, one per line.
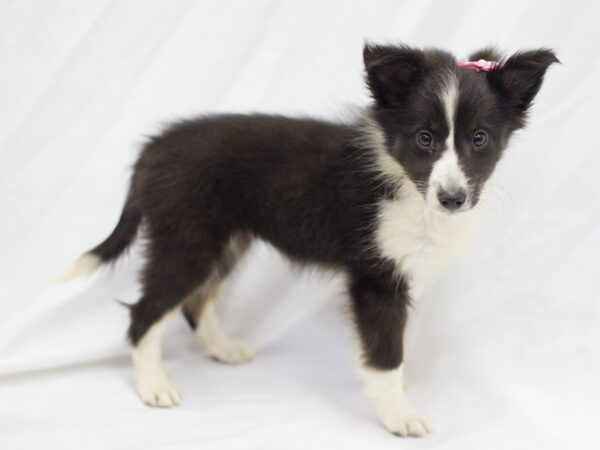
(502,353)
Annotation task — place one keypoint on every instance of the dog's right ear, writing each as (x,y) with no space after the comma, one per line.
(391,71)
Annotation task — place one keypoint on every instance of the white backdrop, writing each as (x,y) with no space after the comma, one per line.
(502,353)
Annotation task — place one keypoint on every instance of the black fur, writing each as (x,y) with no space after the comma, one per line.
(300,184)
(519,79)
(379,303)
(310,187)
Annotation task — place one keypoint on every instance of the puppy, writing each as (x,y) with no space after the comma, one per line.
(384,199)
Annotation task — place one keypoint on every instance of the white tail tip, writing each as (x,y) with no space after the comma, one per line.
(85,265)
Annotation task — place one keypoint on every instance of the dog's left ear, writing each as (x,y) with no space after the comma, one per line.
(519,78)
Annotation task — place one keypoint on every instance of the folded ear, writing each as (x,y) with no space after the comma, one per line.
(391,71)
(519,78)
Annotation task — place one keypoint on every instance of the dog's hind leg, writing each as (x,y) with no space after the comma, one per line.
(215,342)
(153,384)
(175,269)
(199,311)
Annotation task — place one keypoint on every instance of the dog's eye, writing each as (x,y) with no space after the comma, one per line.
(425,139)
(480,138)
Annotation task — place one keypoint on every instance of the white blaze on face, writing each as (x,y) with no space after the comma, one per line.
(447,175)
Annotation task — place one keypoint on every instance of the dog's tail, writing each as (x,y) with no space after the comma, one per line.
(112,247)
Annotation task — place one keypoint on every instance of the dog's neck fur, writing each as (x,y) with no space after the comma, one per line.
(420,241)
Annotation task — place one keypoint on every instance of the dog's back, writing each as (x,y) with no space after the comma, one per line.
(262,175)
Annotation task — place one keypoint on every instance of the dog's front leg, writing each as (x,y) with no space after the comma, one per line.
(379,302)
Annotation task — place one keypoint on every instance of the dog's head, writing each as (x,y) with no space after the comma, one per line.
(446,125)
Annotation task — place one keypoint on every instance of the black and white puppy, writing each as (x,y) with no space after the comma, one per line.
(384,200)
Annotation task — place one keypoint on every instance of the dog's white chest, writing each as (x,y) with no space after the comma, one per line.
(420,242)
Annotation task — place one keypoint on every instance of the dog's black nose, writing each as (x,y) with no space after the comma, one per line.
(452,201)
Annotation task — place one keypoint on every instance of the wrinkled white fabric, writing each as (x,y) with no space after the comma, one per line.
(502,353)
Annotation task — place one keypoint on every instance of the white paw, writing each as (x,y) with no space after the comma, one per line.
(230,351)
(158,390)
(404,422)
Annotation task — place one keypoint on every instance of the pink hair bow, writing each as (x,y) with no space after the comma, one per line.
(478,66)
